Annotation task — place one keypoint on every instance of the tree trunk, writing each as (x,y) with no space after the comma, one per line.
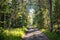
(51,25)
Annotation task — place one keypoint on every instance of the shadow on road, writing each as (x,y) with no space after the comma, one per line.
(34,34)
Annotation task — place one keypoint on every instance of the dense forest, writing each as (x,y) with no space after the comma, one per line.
(17,16)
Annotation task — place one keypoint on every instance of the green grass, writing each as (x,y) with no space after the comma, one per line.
(12,33)
(52,35)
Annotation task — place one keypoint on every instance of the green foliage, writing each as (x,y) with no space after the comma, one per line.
(52,35)
(56,14)
(38,19)
(15,15)
(9,14)
(56,10)
(3,36)
(12,33)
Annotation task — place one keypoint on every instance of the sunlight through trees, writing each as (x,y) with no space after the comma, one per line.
(23,14)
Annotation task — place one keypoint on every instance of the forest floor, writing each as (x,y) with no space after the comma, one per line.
(35,34)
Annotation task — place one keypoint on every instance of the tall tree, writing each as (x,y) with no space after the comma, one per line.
(51,25)
(57,12)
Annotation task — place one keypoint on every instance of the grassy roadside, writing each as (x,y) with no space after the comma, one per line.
(51,35)
(12,33)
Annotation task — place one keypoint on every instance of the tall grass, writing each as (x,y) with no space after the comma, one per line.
(52,35)
(12,33)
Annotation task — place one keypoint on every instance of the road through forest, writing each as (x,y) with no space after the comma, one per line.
(34,34)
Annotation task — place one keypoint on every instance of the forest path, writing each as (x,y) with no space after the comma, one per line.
(34,34)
